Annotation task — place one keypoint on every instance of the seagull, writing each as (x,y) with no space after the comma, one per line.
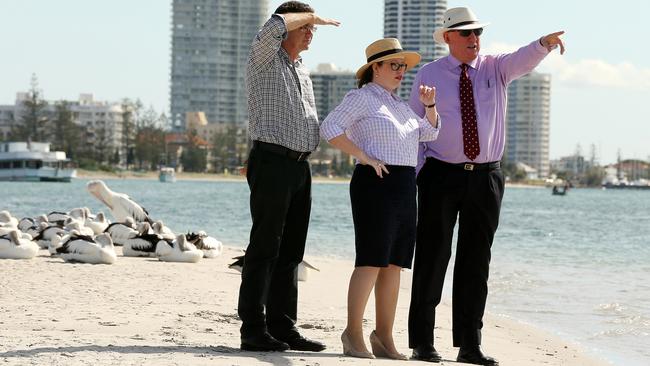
(85,249)
(13,246)
(120,205)
(210,246)
(178,250)
(303,274)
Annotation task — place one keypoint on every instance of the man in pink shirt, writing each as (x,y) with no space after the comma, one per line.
(459,176)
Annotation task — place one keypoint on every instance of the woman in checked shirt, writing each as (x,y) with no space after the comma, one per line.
(382,133)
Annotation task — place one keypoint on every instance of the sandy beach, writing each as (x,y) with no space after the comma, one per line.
(140,311)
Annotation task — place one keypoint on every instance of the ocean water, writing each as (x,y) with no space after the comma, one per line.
(575,265)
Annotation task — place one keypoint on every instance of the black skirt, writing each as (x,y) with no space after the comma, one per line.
(384,211)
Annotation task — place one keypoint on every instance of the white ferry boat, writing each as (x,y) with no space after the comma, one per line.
(34,162)
(167,175)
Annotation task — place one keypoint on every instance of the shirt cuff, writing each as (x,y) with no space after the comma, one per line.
(427,131)
(539,47)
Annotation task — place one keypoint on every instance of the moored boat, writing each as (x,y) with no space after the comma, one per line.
(167,175)
(34,162)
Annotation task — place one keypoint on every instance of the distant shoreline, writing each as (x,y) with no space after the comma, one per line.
(212,177)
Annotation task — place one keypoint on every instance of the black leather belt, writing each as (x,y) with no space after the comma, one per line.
(471,166)
(281,150)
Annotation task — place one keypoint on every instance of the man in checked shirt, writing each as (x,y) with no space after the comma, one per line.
(283,125)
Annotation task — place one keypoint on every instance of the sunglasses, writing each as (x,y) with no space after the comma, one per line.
(397,66)
(466,32)
(308,27)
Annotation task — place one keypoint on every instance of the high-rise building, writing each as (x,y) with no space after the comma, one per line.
(330,86)
(528,122)
(413,23)
(210,45)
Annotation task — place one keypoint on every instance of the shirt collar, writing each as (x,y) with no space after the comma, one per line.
(380,90)
(454,63)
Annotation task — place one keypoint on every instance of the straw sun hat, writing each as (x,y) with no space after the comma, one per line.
(386,49)
(457,19)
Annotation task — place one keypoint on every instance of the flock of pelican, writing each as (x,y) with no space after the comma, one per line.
(80,236)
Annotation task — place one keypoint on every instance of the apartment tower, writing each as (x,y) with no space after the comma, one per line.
(210,44)
(528,122)
(413,23)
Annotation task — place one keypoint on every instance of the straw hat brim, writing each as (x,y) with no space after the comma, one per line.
(438,35)
(411,59)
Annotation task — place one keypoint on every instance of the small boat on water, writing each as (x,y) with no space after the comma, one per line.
(167,175)
(557,191)
(34,162)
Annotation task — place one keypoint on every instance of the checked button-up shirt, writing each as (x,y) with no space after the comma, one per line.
(281,105)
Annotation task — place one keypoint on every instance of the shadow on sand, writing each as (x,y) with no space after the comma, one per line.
(279,358)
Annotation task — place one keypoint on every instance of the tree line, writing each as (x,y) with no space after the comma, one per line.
(136,140)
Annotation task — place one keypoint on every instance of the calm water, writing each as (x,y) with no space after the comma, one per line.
(577,265)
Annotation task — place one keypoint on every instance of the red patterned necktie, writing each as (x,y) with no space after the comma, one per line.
(471,147)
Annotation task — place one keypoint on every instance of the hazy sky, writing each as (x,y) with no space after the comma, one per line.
(121,48)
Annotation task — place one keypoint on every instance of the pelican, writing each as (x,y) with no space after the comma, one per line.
(35,230)
(57,218)
(13,246)
(98,223)
(72,225)
(162,230)
(303,274)
(121,231)
(78,248)
(44,239)
(26,223)
(178,250)
(143,244)
(5,230)
(6,220)
(210,246)
(79,214)
(303,266)
(120,205)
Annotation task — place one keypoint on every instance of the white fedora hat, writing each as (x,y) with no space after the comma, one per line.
(457,19)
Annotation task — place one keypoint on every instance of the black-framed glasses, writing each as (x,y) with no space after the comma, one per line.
(308,27)
(466,32)
(396,66)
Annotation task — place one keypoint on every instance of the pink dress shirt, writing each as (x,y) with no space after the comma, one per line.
(490,76)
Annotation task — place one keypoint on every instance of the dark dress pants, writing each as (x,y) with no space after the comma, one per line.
(447,192)
(280,204)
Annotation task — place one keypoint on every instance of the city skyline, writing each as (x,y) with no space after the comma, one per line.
(122,49)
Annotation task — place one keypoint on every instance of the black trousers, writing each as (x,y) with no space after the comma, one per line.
(447,192)
(280,204)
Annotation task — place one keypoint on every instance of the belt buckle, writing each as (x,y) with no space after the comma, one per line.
(468,166)
(302,156)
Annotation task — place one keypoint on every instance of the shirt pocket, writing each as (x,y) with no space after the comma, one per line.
(487,93)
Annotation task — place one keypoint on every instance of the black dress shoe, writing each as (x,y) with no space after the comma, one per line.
(297,342)
(263,343)
(475,356)
(426,353)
